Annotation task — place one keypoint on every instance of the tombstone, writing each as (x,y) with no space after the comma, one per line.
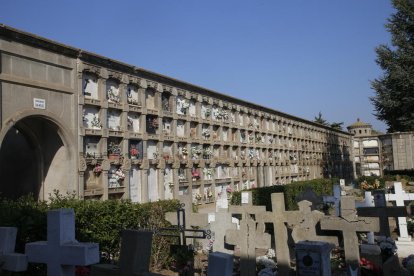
(278,217)
(404,243)
(134,258)
(9,260)
(303,224)
(309,195)
(62,252)
(222,201)
(220,264)
(399,197)
(313,258)
(349,224)
(372,247)
(250,236)
(222,222)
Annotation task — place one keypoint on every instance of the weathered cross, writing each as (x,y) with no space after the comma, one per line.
(303,224)
(399,197)
(278,217)
(9,260)
(349,224)
(219,226)
(62,252)
(250,236)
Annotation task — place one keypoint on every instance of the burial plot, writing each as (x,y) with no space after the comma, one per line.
(250,236)
(62,252)
(349,224)
(9,260)
(134,258)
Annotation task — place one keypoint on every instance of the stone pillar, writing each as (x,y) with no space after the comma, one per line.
(144,186)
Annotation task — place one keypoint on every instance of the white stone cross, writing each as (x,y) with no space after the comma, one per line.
(9,260)
(399,197)
(62,252)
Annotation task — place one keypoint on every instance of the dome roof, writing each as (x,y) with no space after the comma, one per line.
(359,123)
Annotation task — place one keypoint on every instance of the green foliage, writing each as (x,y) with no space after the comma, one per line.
(320,120)
(96,221)
(262,196)
(394,101)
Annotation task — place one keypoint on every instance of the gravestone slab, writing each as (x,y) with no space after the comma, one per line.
(250,236)
(349,224)
(313,258)
(222,222)
(220,264)
(134,258)
(62,252)
(9,260)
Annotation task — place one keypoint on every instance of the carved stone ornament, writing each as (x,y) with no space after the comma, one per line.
(115,75)
(82,164)
(143,83)
(106,165)
(126,164)
(92,69)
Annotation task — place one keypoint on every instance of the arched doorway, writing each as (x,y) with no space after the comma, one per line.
(33,159)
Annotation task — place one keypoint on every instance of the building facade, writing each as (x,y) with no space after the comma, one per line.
(77,122)
(375,152)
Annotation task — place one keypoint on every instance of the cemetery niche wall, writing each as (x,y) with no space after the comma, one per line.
(116,131)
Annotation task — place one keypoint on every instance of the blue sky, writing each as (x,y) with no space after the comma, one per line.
(298,57)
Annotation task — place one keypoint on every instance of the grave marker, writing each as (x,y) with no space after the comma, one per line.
(62,252)
(134,258)
(399,197)
(250,236)
(220,264)
(278,217)
(303,224)
(309,195)
(349,224)
(313,258)
(9,260)
(219,226)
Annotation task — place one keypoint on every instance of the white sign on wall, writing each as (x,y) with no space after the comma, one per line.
(245,198)
(39,103)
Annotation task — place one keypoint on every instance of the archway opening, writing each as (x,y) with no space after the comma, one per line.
(33,160)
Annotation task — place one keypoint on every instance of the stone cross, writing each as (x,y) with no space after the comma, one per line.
(246,209)
(303,224)
(278,217)
(349,224)
(399,197)
(62,252)
(250,236)
(219,226)
(134,258)
(191,219)
(10,261)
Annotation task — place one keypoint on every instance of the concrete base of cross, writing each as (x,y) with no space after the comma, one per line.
(404,248)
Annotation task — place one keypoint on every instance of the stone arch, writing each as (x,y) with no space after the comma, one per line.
(37,156)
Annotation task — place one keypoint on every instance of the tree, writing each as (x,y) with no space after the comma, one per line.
(394,99)
(320,120)
(337,125)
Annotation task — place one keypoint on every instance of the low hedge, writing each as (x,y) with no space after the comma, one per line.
(262,196)
(96,221)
